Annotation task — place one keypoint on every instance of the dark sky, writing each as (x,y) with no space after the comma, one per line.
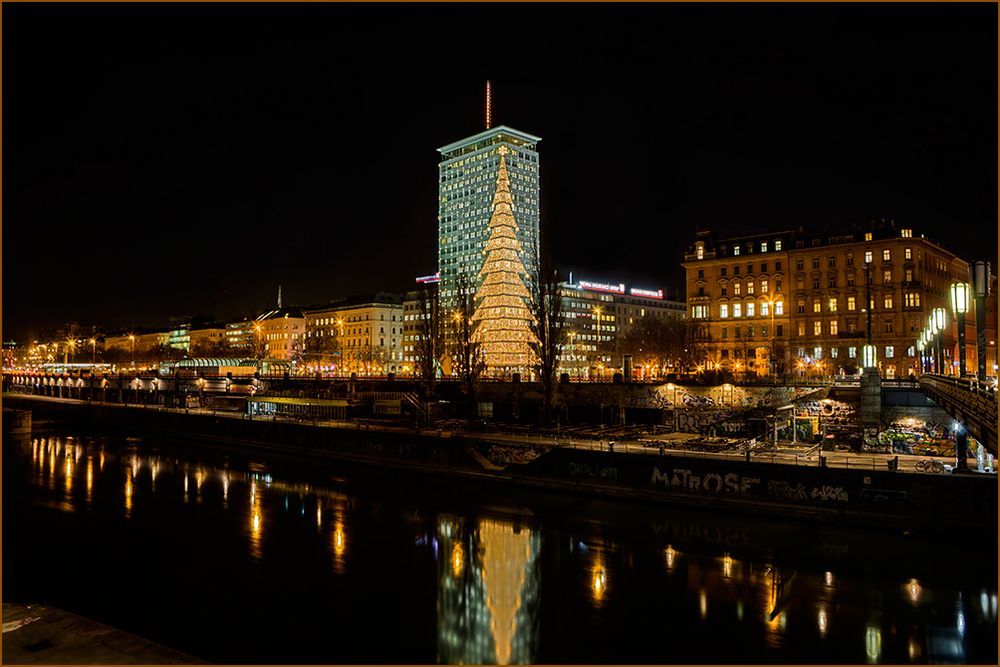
(179,159)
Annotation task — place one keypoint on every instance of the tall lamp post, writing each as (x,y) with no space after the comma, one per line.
(960,306)
(940,319)
(981,289)
(920,351)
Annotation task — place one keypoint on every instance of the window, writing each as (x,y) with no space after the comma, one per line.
(817,352)
(817,328)
(831,281)
(763,331)
(802,352)
(888,327)
(832,305)
(889,351)
(701,273)
(722,291)
(736,270)
(736,334)
(800,284)
(779,308)
(736,289)
(886,277)
(763,246)
(763,286)
(850,259)
(750,309)
(850,280)
(763,267)
(802,305)
(907,253)
(868,236)
(798,264)
(723,310)
(886,255)
(750,287)
(815,283)
(725,332)
(831,261)
(911,351)
(912,299)
(736,250)
(887,302)
(815,262)
(908,275)
(802,328)
(777,266)
(907,233)
(749,268)
(816,306)
(722,272)
(834,352)
(765,308)
(777,244)
(868,255)
(833,328)
(777,285)
(699,312)
(852,352)
(737,309)
(851,303)
(779,330)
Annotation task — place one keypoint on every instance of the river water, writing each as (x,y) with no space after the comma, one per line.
(242,559)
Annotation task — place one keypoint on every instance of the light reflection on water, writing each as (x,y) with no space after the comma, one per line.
(489,573)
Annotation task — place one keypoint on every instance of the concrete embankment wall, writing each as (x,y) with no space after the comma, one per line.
(854,494)
(850,495)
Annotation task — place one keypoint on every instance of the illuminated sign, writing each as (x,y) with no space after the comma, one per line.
(652,294)
(602,287)
(436,278)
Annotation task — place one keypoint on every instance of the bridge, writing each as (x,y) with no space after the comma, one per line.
(968,401)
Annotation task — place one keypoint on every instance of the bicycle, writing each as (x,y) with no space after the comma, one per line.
(929,465)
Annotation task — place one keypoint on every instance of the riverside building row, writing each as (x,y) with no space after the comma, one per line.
(798,302)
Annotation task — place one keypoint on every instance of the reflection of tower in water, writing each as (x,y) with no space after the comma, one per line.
(488,593)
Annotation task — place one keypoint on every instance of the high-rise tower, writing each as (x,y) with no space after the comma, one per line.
(468,174)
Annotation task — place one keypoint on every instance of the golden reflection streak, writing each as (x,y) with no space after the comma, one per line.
(457,560)
(669,555)
(154,470)
(599,581)
(873,643)
(913,590)
(339,542)
(199,477)
(128,493)
(101,468)
(90,478)
(822,621)
(256,521)
(34,452)
(727,566)
(702,604)
(69,477)
(913,649)
(319,514)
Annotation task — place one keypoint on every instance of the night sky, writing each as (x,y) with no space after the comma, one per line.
(183,159)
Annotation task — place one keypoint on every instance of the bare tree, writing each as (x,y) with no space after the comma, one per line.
(322,349)
(549,334)
(466,353)
(429,342)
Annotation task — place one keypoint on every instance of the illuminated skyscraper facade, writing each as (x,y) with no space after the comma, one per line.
(467,182)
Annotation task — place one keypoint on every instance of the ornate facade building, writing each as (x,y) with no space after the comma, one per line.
(798,302)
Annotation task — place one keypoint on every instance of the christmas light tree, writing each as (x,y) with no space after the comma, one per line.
(502,318)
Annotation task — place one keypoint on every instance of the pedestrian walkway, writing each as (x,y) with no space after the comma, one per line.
(40,635)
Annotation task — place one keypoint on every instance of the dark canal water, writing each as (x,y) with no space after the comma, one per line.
(238,559)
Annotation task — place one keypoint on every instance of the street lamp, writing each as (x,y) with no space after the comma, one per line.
(940,320)
(868,356)
(981,289)
(960,306)
(920,351)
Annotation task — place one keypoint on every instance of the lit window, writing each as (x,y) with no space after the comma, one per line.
(765,308)
(852,352)
(777,244)
(851,303)
(763,246)
(887,302)
(737,309)
(908,253)
(817,353)
(723,310)
(779,308)
(834,352)
(886,255)
(750,287)
(833,304)
(816,306)
(833,328)
(802,328)
(817,328)
(868,236)
(736,289)
(736,250)
(763,286)
(889,351)
(868,256)
(750,309)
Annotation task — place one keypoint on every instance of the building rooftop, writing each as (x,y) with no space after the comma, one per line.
(486,134)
